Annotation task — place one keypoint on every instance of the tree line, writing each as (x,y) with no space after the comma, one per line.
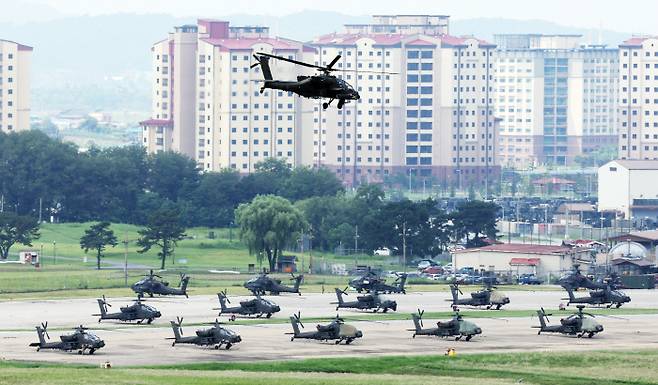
(43,177)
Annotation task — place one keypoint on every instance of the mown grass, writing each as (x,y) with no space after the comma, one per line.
(601,367)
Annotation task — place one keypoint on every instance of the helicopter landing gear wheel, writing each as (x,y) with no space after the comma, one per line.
(618,305)
(348,341)
(341,103)
(80,352)
(216,347)
(173,343)
(150,320)
(468,338)
(325,105)
(292,339)
(228,346)
(498,306)
(269,315)
(590,335)
(92,351)
(38,348)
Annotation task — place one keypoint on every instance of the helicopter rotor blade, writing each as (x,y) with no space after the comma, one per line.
(301,63)
(331,64)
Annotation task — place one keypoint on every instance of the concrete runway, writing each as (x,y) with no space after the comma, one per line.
(136,345)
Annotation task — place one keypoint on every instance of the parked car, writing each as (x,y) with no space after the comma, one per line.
(433,270)
(425,263)
(529,279)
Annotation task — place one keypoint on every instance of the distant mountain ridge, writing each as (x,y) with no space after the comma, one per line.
(76,59)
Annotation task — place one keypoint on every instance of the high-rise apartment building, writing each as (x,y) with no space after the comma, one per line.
(638,98)
(15,61)
(556,98)
(429,114)
(207,102)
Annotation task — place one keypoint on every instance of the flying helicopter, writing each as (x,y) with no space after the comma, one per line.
(370,281)
(605,296)
(215,336)
(372,301)
(257,306)
(135,312)
(337,330)
(456,327)
(150,285)
(578,324)
(80,340)
(264,283)
(321,86)
(486,297)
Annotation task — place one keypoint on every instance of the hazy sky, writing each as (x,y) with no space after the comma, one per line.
(633,16)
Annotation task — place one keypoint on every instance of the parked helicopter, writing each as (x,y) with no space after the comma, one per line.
(257,306)
(579,324)
(264,283)
(456,327)
(215,336)
(371,282)
(149,285)
(372,301)
(80,340)
(135,312)
(606,296)
(486,297)
(337,330)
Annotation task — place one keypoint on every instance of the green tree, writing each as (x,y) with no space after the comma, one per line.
(16,229)
(475,220)
(98,237)
(305,182)
(172,175)
(163,230)
(267,224)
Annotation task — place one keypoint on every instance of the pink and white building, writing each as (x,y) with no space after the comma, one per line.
(431,118)
(207,104)
(15,62)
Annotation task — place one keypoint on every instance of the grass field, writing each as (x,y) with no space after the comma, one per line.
(601,368)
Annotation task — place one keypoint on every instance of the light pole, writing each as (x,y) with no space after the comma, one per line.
(356,245)
(125,262)
(54,252)
(404,245)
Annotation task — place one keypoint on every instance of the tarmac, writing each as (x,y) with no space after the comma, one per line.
(130,344)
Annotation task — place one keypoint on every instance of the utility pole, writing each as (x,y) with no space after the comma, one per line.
(125,262)
(40,205)
(404,245)
(54,252)
(2,203)
(356,245)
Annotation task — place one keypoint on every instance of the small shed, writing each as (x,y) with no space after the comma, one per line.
(287,264)
(634,266)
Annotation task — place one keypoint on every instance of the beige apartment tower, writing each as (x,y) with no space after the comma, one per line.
(15,62)
(638,99)
(428,115)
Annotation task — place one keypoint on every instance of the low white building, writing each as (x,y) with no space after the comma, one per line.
(519,258)
(629,187)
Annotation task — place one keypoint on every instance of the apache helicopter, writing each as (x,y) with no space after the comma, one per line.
(606,296)
(80,340)
(579,324)
(485,297)
(323,86)
(371,282)
(264,283)
(257,306)
(149,285)
(135,312)
(337,330)
(215,336)
(365,302)
(457,327)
